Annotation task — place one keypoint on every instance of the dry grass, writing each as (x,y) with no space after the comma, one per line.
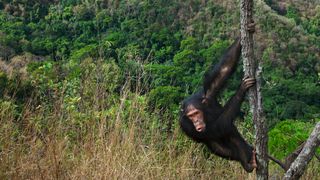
(121,141)
(115,151)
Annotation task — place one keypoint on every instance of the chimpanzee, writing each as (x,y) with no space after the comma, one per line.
(205,120)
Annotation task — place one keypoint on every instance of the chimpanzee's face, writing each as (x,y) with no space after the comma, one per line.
(196,116)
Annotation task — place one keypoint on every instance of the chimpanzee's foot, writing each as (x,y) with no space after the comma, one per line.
(253,161)
(250,166)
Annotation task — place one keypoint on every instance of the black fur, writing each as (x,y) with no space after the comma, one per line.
(221,135)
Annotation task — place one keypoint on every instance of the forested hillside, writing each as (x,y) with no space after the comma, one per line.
(92,88)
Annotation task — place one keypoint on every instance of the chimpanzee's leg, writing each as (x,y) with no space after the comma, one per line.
(234,147)
(220,149)
(244,152)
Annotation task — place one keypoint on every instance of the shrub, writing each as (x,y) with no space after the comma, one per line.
(287,135)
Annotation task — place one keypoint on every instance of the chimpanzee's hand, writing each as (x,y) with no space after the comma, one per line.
(247,83)
(251,27)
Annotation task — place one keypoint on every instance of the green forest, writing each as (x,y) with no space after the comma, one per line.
(91,89)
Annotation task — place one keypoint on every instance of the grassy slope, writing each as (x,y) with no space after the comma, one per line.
(103,146)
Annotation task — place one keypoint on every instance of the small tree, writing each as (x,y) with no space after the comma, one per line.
(251,69)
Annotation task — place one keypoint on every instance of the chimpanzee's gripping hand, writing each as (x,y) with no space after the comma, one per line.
(251,27)
(247,83)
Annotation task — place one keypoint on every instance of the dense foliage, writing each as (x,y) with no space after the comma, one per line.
(75,60)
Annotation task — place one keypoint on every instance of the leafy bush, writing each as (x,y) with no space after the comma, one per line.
(287,135)
(165,97)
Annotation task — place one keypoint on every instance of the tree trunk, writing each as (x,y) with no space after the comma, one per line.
(299,165)
(253,69)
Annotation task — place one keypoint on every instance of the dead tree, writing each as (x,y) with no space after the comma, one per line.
(252,69)
(299,165)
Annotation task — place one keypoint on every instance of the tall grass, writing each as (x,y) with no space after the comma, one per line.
(103,136)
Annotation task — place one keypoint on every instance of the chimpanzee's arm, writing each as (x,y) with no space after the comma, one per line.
(232,108)
(230,111)
(216,78)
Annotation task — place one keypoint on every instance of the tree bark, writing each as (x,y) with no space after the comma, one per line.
(299,165)
(253,69)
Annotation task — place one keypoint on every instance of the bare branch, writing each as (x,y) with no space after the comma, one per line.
(299,165)
(282,165)
(293,156)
